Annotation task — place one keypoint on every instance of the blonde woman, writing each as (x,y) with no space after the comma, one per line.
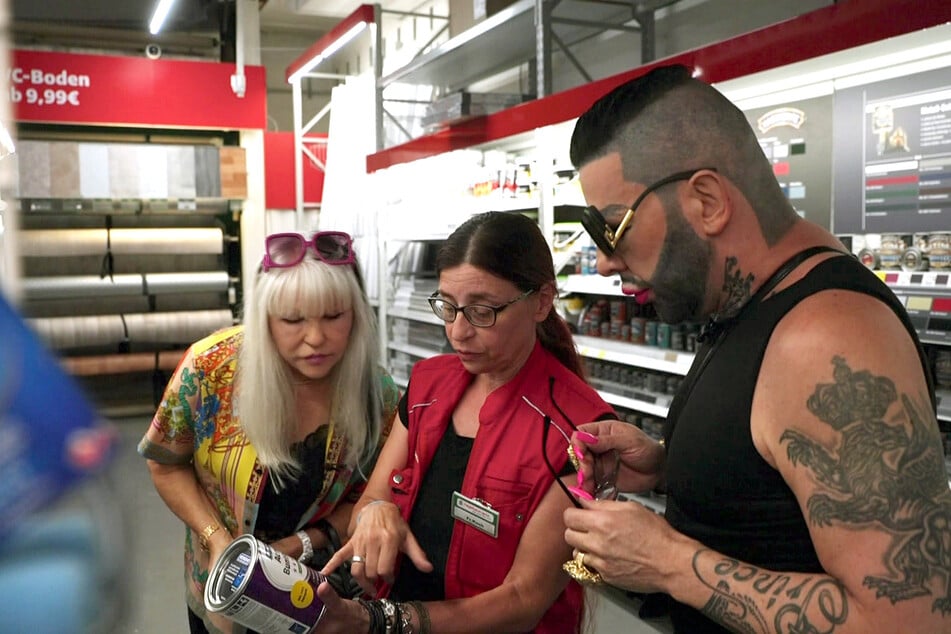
(270,428)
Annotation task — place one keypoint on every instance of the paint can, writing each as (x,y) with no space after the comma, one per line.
(263,589)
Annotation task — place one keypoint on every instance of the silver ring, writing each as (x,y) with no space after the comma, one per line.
(357,559)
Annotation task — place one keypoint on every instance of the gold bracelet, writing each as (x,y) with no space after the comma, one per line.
(206,534)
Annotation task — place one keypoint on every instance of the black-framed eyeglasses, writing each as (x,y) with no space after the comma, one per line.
(605,238)
(284,250)
(479,315)
(606,465)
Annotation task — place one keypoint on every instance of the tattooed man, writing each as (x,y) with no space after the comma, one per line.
(802,460)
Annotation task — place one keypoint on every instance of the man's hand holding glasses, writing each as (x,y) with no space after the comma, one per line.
(610,456)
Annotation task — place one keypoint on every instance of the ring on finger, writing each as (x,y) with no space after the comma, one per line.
(581,573)
(357,559)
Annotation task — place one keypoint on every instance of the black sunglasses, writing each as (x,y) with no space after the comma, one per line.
(605,238)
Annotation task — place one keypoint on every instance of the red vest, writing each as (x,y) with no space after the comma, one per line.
(506,468)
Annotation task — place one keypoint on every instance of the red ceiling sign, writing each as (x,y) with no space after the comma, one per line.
(78,88)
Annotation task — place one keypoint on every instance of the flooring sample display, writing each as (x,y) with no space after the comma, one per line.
(181,171)
(234,173)
(207,172)
(153,171)
(123,171)
(33,163)
(94,170)
(64,170)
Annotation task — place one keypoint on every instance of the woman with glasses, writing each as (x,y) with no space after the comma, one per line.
(460,526)
(271,427)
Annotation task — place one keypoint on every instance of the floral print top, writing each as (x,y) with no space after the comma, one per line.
(195,424)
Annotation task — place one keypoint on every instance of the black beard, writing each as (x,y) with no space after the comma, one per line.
(680,280)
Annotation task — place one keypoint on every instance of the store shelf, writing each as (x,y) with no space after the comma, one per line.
(501,42)
(647,357)
(415,315)
(926,296)
(593,285)
(39,206)
(416,351)
(944,405)
(658,504)
(938,281)
(637,405)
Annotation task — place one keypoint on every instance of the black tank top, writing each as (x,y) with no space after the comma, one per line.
(720,491)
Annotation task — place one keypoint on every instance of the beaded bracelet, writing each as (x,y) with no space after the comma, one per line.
(389,615)
(406,619)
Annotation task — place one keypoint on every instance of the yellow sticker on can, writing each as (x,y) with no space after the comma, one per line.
(302,594)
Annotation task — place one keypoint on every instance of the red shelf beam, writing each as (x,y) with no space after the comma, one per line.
(828,30)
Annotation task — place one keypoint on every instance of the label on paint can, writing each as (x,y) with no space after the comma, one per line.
(263,589)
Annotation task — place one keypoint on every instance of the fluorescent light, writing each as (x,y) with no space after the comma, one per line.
(335,46)
(158,18)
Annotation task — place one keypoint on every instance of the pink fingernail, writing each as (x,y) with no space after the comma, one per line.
(580,493)
(584,436)
(580,479)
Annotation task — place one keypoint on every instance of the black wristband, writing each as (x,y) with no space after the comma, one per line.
(333,538)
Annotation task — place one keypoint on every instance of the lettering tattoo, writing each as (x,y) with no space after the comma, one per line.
(737,288)
(885,471)
(811,604)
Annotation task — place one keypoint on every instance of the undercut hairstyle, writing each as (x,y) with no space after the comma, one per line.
(511,246)
(264,392)
(666,121)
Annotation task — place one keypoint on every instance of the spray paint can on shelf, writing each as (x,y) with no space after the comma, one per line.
(264,589)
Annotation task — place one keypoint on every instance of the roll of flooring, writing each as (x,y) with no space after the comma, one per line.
(182,327)
(163,241)
(51,243)
(196,282)
(63,333)
(175,328)
(76,286)
(70,242)
(79,286)
(94,365)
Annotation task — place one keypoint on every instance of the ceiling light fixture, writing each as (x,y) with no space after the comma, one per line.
(158,17)
(333,41)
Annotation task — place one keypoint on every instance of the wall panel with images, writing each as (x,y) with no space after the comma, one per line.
(892,148)
(796,137)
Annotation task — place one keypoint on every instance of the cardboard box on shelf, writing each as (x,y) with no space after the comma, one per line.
(465,14)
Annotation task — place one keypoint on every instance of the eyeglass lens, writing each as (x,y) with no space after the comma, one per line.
(477,314)
(332,247)
(285,250)
(606,467)
(593,222)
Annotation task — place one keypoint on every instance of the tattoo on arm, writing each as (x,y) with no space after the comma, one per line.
(808,604)
(884,471)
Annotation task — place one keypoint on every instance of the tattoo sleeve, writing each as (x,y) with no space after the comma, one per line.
(884,471)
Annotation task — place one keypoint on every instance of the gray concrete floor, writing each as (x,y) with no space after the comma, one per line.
(155,602)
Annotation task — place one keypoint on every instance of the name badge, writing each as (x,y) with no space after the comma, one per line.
(475,513)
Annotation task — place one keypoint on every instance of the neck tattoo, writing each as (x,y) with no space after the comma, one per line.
(737,288)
